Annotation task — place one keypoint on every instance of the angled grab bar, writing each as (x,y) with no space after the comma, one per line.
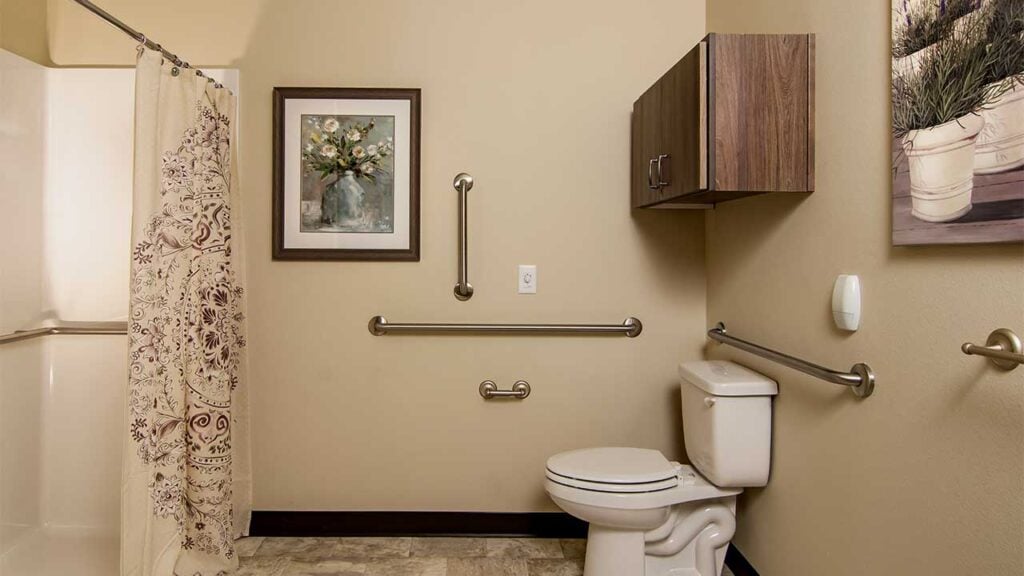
(379,326)
(463,289)
(860,378)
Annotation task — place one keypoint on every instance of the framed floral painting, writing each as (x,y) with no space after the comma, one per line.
(346,174)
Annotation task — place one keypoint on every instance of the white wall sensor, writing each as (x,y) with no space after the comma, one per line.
(846,302)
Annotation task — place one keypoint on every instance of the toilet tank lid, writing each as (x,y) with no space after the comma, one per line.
(723,378)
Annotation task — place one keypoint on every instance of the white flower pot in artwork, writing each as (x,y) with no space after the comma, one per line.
(1000,145)
(941,162)
(908,66)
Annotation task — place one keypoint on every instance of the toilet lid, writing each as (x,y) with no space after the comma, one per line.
(613,469)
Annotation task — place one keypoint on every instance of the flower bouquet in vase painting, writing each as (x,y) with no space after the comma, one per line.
(943,103)
(342,159)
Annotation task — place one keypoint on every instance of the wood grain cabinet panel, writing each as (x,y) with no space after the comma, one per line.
(734,117)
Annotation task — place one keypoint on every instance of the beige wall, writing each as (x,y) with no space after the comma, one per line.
(533,99)
(23,29)
(926,476)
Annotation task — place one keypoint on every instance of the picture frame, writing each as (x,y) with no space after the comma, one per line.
(346,174)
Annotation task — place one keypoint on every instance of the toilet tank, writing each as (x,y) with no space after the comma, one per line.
(727,422)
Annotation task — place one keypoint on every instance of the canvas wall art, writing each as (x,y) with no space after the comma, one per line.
(958,121)
(346,174)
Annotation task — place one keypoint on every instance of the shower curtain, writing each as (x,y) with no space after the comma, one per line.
(186,489)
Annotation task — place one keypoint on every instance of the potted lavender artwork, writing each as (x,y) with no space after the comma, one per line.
(958,121)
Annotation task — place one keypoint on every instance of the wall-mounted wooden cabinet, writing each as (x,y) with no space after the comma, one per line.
(733,118)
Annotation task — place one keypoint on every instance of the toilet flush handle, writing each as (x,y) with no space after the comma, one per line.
(709,401)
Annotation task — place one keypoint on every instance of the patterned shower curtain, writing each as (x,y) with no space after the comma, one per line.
(186,487)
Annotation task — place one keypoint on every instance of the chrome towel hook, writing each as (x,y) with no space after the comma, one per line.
(1003,349)
(463,183)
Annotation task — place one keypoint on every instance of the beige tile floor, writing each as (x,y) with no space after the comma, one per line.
(411,557)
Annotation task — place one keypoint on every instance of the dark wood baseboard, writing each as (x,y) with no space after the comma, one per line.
(525,524)
(736,562)
(508,524)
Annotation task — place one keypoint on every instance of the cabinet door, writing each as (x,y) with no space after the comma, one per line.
(645,146)
(762,119)
(683,168)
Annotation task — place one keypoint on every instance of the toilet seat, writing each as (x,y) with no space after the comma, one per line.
(626,478)
(616,470)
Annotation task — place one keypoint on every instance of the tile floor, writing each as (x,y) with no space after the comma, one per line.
(411,557)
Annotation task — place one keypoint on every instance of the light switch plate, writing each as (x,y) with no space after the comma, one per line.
(527,279)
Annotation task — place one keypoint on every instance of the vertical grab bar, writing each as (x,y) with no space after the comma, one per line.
(463,289)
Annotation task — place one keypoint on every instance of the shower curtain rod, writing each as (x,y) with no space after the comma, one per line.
(138,36)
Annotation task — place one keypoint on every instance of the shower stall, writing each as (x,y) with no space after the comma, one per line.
(65,218)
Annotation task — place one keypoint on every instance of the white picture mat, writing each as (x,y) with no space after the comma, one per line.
(294,109)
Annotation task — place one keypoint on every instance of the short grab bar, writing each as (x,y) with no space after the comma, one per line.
(520,390)
(860,378)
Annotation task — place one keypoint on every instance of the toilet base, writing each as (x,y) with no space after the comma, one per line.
(691,542)
(613,551)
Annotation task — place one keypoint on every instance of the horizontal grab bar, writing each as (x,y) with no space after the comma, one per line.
(860,378)
(84,328)
(379,326)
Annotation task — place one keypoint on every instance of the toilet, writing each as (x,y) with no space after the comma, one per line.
(652,517)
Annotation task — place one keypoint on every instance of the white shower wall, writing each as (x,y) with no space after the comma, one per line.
(66,189)
(65,216)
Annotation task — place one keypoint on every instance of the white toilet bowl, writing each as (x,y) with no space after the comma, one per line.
(652,517)
(648,516)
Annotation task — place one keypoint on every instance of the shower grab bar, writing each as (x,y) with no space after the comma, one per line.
(860,378)
(379,326)
(463,184)
(84,328)
(1003,349)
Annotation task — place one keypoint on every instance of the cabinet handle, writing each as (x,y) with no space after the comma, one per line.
(661,179)
(650,175)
